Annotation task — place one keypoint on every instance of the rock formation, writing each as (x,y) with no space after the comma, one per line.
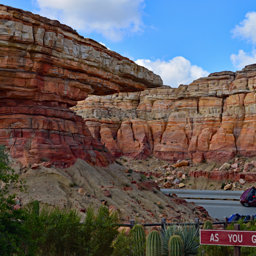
(45,68)
(211,119)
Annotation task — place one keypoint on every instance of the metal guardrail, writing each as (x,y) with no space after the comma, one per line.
(163,224)
(204,194)
(218,203)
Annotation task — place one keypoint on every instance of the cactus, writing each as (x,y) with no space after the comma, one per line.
(189,236)
(138,240)
(166,234)
(176,246)
(207,225)
(153,244)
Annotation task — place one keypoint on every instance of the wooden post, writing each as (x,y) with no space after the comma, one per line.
(226,223)
(237,248)
(197,223)
(132,223)
(163,224)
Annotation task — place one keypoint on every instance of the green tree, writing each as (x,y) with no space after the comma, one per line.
(99,232)
(12,233)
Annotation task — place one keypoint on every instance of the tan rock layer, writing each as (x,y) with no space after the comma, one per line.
(46,67)
(212,119)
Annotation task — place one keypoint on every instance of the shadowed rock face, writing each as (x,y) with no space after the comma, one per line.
(45,68)
(212,119)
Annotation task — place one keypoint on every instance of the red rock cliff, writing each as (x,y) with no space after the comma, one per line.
(212,119)
(45,68)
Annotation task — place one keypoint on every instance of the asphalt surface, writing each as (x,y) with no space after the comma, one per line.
(219,204)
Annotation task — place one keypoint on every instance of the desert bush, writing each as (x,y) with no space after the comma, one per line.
(53,232)
(122,245)
(99,232)
(58,232)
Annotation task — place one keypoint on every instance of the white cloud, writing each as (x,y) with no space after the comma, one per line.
(175,71)
(111,18)
(242,58)
(247,29)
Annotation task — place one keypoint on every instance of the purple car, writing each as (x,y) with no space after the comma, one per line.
(248,198)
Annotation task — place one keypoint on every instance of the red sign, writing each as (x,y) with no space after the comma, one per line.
(228,237)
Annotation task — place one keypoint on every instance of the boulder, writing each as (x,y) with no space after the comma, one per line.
(228,186)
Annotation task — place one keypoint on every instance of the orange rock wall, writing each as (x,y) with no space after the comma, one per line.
(45,68)
(212,119)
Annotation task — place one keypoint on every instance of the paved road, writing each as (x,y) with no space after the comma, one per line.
(218,203)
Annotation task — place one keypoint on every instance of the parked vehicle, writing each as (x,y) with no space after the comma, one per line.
(248,198)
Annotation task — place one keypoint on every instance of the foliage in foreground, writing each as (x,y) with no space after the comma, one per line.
(32,231)
(11,228)
(188,234)
(59,233)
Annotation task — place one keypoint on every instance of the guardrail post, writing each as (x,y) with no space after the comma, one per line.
(163,224)
(226,223)
(132,223)
(197,223)
(237,248)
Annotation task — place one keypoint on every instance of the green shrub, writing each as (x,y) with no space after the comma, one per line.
(53,232)
(99,232)
(121,245)
(208,225)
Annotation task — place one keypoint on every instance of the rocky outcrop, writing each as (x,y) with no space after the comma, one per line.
(45,68)
(211,119)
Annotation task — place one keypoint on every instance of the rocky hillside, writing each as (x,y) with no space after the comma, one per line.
(212,119)
(123,190)
(45,68)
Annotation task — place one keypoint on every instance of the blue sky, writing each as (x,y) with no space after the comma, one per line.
(179,39)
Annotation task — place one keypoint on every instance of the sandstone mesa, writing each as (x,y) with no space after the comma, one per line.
(211,119)
(45,68)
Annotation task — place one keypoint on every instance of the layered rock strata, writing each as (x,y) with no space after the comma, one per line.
(45,68)
(211,119)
